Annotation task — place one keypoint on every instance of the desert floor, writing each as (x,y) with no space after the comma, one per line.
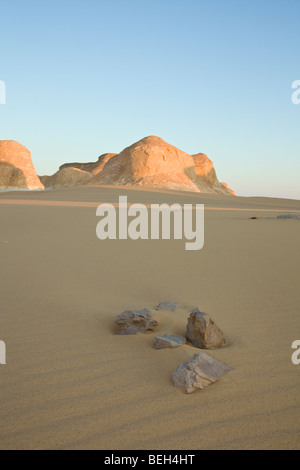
(70,382)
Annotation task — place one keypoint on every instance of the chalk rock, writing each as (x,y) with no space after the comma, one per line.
(202,332)
(150,162)
(16,167)
(206,177)
(228,189)
(67,176)
(169,306)
(168,341)
(202,370)
(131,322)
(92,167)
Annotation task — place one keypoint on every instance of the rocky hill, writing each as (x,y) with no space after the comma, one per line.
(150,162)
(16,167)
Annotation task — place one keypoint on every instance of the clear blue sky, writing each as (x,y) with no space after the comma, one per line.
(86,77)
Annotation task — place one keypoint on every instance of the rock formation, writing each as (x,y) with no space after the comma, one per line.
(199,372)
(16,167)
(150,162)
(67,176)
(131,322)
(206,177)
(228,189)
(93,168)
(202,332)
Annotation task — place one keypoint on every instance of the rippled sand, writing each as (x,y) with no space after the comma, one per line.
(70,382)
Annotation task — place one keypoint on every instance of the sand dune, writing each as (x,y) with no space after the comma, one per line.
(71,383)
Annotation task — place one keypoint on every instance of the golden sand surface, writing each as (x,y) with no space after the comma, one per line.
(70,382)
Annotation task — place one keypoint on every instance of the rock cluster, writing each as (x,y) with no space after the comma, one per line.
(202,370)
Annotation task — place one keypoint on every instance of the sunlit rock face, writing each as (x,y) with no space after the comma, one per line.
(206,177)
(227,188)
(76,174)
(151,162)
(68,176)
(93,167)
(16,167)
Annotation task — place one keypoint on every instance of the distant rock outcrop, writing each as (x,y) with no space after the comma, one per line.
(67,176)
(206,177)
(76,174)
(227,188)
(150,162)
(16,167)
(93,168)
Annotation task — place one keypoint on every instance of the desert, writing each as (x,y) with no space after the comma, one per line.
(150,228)
(71,382)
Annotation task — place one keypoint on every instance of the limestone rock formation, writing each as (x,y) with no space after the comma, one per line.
(16,167)
(202,332)
(67,176)
(199,372)
(227,188)
(168,341)
(75,174)
(150,162)
(94,167)
(131,322)
(206,177)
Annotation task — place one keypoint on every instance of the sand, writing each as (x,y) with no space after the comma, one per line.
(71,383)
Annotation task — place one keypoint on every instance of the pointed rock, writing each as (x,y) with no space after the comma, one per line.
(202,332)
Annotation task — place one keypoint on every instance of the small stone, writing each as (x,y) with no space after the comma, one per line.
(202,332)
(169,306)
(168,341)
(199,372)
(131,322)
(288,216)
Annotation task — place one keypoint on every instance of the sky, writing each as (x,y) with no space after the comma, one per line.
(87,77)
